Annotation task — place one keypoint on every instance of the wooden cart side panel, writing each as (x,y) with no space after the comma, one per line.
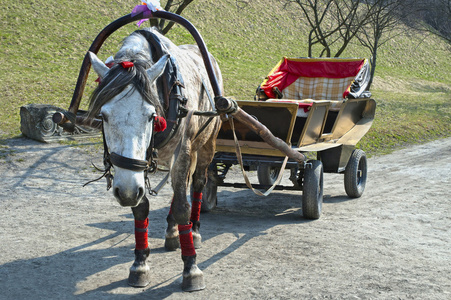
(350,114)
(314,125)
(257,148)
(335,159)
(279,118)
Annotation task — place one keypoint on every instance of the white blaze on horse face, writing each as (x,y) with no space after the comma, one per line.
(128,127)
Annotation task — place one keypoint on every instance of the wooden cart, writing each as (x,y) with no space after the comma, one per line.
(328,128)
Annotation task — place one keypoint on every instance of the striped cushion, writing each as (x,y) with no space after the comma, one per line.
(317,88)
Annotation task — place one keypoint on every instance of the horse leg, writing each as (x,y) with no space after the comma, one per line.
(193,279)
(171,242)
(140,272)
(196,203)
(204,157)
(172,234)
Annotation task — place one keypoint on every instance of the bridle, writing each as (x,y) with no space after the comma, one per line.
(149,165)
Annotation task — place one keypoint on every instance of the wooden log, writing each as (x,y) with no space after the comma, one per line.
(266,135)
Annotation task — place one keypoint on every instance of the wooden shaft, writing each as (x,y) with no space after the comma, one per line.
(267,136)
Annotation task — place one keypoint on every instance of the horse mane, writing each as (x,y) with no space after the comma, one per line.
(118,78)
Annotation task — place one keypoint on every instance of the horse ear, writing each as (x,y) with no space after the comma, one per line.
(98,65)
(157,69)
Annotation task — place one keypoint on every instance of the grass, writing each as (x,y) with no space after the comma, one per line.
(418,113)
(42,45)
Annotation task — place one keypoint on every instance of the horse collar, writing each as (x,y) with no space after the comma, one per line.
(171,83)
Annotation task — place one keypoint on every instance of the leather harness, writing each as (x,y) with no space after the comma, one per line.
(172,83)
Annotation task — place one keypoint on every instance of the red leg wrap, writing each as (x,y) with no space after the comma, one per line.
(197,195)
(186,239)
(196,206)
(141,234)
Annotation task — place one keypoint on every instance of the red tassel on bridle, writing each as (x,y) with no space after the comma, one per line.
(159,124)
(124,64)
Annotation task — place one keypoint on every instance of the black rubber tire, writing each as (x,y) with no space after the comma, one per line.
(356,174)
(210,193)
(312,195)
(267,174)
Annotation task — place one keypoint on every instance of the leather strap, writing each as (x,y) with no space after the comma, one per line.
(155,191)
(128,163)
(240,160)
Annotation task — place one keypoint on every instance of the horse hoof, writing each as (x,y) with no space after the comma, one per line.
(193,280)
(139,275)
(171,243)
(197,240)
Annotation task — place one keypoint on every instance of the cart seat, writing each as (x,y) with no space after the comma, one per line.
(316,78)
(318,88)
(306,104)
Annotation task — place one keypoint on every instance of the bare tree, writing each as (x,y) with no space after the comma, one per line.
(385,17)
(334,23)
(436,17)
(172,6)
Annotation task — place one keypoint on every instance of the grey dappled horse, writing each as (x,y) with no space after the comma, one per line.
(128,99)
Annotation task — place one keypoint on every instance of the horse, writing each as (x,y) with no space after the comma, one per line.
(129,100)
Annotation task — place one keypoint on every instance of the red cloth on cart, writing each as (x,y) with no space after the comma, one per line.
(288,71)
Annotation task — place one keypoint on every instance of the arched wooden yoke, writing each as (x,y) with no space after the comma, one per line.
(68,119)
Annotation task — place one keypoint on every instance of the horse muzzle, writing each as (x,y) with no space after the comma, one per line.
(128,187)
(129,183)
(129,197)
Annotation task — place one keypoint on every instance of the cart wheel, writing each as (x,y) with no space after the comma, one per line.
(312,195)
(267,174)
(209,193)
(355,174)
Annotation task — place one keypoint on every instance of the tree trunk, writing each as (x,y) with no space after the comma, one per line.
(373,63)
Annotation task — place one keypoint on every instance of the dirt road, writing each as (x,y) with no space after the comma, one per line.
(59,240)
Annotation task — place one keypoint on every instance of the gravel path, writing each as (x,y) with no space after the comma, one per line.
(59,240)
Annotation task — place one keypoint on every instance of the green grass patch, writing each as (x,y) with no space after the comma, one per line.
(411,114)
(42,45)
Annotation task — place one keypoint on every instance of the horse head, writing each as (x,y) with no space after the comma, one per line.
(127,102)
